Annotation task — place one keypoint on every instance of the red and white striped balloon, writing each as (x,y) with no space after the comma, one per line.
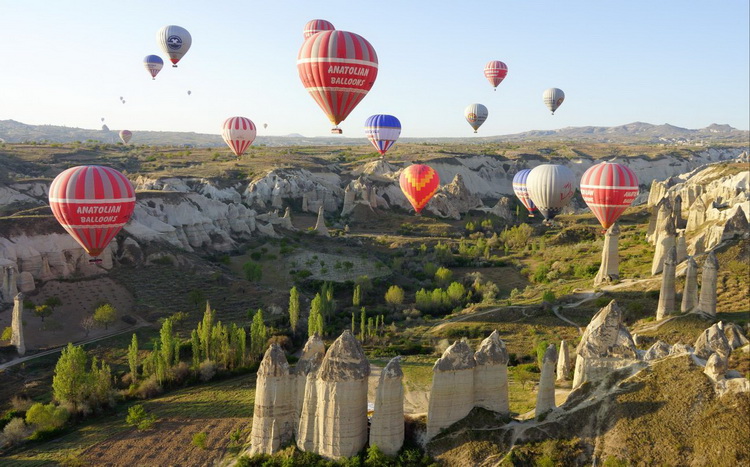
(92,203)
(238,133)
(338,68)
(495,71)
(315,26)
(609,189)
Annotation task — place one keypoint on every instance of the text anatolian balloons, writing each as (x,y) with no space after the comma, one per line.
(125,136)
(551,187)
(338,68)
(238,133)
(476,114)
(419,183)
(92,203)
(382,131)
(608,189)
(315,26)
(175,41)
(153,64)
(522,192)
(553,98)
(495,71)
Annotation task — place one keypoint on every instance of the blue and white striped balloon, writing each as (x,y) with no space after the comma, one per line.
(382,131)
(153,64)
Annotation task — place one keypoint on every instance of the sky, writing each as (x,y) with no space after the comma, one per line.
(682,62)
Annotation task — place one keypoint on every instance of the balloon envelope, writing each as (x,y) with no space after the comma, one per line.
(609,189)
(495,71)
(338,68)
(175,41)
(419,183)
(382,131)
(238,133)
(476,114)
(153,64)
(315,26)
(125,136)
(92,203)
(522,192)
(553,98)
(550,187)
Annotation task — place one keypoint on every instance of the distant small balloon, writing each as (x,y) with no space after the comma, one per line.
(125,136)
(476,114)
(495,71)
(553,98)
(190,92)
(265,125)
(102,118)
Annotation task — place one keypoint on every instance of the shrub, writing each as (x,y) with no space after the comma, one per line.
(253,271)
(7,334)
(46,417)
(540,274)
(139,418)
(207,370)
(149,388)
(199,440)
(15,431)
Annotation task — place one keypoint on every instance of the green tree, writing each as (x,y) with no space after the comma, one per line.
(205,328)
(257,334)
(293,309)
(394,296)
(42,311)
(69,383)
(456,292)
(138,418)
(376,457)
(104,315)
(195,345)
(7,334)
(199,440)
(53,302)
(362,324)
(316,315)
(357,297)
(46,417)
(133,358)
(443,276)
(167,338)
(353,325)
(253,271)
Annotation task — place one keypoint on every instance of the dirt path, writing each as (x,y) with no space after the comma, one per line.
(141,323)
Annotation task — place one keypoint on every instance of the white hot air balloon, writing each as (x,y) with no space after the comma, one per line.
(476,114)
(175,41)
(238,133)
(553,98)
(551,187)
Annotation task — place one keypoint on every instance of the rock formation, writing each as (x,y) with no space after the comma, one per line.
(696,215)
(606,345)
(707,300)
(545,398)
(665,240)
(17,325)
(666,304)
(305,391)
(491,375)
(690,292)
(563,362)
(712,340)
(660,349)
(387,424)
(679,222)
(273,414)
(661,212)
(734,335)
(320,223)
(452,394)
(609,271)
(716,367)
(341,409)
(9,289)
(682,253)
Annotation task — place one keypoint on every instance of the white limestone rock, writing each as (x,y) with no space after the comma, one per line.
(734,335)
(690,292)
(609,270)
(452,394)
(491,375)
(660,349)
(666,305)
(273,414)
(545,398)
(563,362)
(387,424)
(17,338)
(712,340)
(709,279)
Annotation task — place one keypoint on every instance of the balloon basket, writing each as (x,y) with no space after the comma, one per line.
(337,131)
(95,260)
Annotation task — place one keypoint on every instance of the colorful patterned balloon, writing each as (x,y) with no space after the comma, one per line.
(238,133)
(522,192)
(153,64)
(609,189)
(419,183)
(382,131)
(495,71)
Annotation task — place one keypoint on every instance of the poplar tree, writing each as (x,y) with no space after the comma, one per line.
(357,297)
(257,334)
(293,309)
(195,344)
(133,358)
(167,341)
(362,324)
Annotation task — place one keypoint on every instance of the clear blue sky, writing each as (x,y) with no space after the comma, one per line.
(683,62)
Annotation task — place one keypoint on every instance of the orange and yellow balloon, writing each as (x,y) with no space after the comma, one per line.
(419,183)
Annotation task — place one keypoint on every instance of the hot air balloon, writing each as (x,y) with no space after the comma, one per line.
(337,68)
(608,189)
(476,114)
(153,64)
(125,136)
(265,125)
(419,183)
(553,98)
(522,192)
(316,25)
(175,41)
(92,203)
(382,131)
(189,92)
(551,188)
(238,133)
(495,72)
(102,118)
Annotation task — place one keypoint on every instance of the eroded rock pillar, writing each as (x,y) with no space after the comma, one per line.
(387,424)
(545,397)
(609,271)
(667,293)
